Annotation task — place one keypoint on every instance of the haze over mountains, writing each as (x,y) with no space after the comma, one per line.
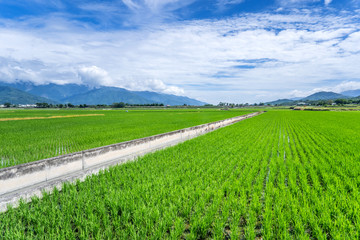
(30,93)
(24,92)
(319,96)
(16,96)
(323,96)
(352,93)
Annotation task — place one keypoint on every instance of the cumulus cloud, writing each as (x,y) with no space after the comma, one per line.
(327,2)
(154,85)
(338,88)
(233,57)
(93,76)
(157,85)
(35,71)
(351,43)
(345,86)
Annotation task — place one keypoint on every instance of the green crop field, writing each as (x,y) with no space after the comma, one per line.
(280,175)
(29,135)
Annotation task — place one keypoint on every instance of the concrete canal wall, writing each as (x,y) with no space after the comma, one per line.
(26,180)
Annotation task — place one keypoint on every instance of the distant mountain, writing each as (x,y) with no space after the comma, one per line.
(59,92)
(82,94)
(352,93)
(106,95)
(281,102)
(21,85)
(323,96)
(16,96)
(109,95)
(51,91)
(313,97)
(168,99)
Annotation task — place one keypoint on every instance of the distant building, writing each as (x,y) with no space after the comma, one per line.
(27,105)
(2,106)
(301,104)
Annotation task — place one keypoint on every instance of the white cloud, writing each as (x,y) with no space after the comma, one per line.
(157,5)
(345,86)
(252,58)
(130,4)
(302,2)
(93,76)
(154,85)
(351,43)
(229,2)
(149,11)
(296,2)
(327,2)
(34,70)
(338,88)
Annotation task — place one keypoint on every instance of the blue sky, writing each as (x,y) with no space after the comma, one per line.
(221,50)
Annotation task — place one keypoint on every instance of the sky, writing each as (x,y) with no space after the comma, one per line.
(237,51)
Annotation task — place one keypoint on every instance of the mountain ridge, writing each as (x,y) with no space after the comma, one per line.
(322,95)
(82,94)
(106,95)
(352,93)
(16,96)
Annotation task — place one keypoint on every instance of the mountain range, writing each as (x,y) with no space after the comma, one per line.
(15,96)
(324,96)
(24,92)
(352,93)
(317,97)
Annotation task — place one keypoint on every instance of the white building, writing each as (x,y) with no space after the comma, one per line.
(27,105)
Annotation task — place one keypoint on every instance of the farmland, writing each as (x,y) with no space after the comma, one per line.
(29,135)
(280,175)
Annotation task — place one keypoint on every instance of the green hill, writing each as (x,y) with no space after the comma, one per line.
(52,91)
(324,96)
(168,99)
(281,102)
(15,96)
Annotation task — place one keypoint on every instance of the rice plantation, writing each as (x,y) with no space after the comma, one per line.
(279,175)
